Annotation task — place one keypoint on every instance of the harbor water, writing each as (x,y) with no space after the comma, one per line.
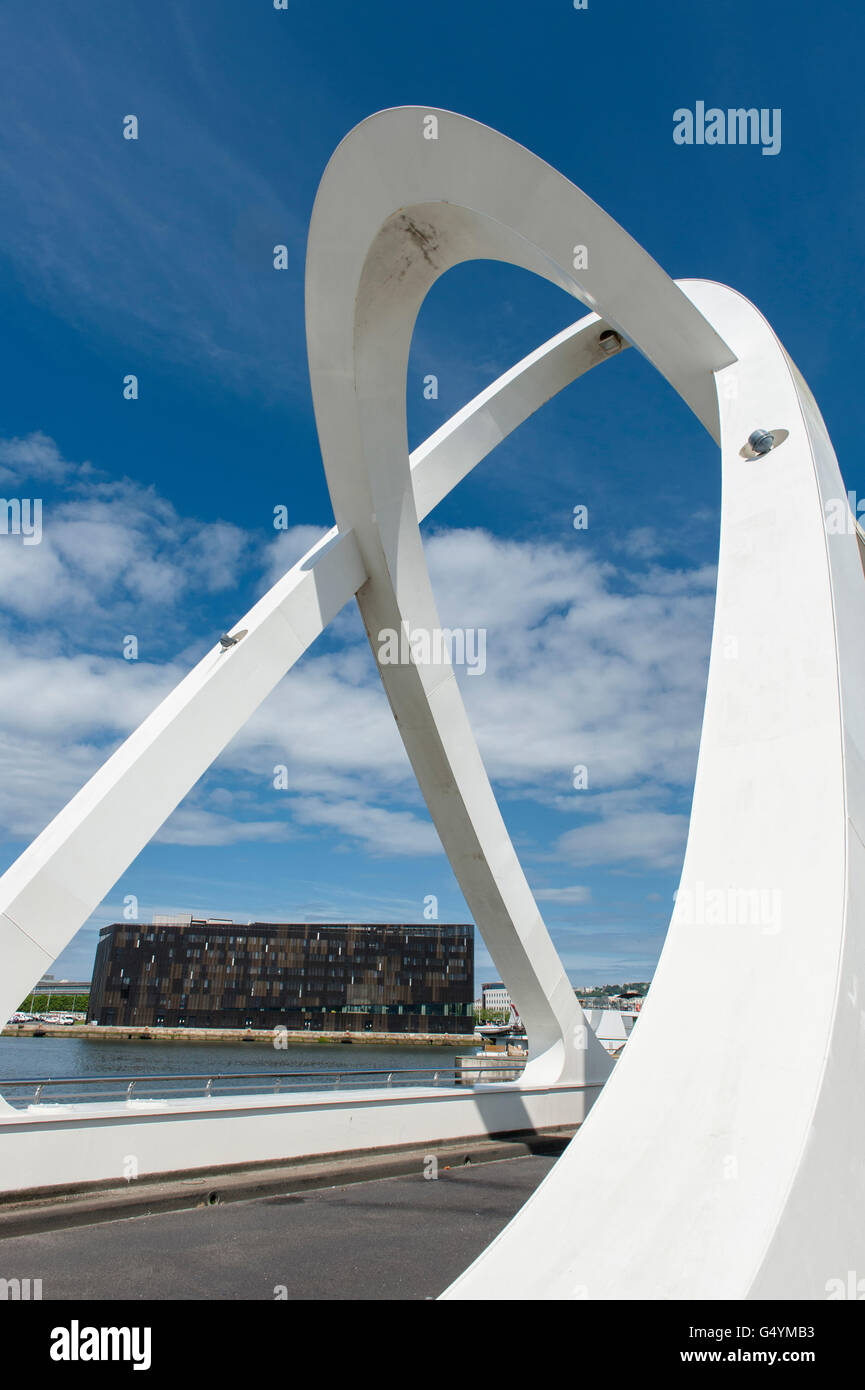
(55,1057)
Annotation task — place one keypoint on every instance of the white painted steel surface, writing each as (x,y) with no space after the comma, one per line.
(419,207)
(58,1145)
(720,1169)
(734,1166)
(36,919)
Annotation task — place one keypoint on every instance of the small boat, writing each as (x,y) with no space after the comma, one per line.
(501,1030)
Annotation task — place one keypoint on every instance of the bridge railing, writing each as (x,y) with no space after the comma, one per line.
(25,1093)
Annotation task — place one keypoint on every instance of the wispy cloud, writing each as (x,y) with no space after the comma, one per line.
(164,243)
(570,896)
(380,831)
(653,839)
(193,825)
(110,545)
(33,456)
(587,664)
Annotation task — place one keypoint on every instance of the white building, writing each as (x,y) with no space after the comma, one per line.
(495,997)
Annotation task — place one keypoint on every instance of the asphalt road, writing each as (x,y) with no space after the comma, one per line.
(393,1238)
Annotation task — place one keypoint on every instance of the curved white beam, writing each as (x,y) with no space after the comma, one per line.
(48,894)
(449,454)
(728,1167)
(419,207)
(730,1163)
(54,886)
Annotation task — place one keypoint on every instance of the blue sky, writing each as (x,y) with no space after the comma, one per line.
(154,257)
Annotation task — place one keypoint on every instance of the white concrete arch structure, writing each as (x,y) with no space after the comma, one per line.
(724,1170)
(54,886)
(418,207)
(735,1167)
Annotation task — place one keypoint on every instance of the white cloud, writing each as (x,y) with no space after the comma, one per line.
(586,663)
(287,547)
(57,697)
(33,456)
(381,832)
(577,893)
(119,549)
(655,839)
(192,825)
(642,543)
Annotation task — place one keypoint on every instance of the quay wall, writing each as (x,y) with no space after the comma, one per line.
(268,1036)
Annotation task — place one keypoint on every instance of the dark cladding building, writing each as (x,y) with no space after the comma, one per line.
(208,974)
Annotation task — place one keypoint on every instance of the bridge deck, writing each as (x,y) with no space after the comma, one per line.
(392,1238)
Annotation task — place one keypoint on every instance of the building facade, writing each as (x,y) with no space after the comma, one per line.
(495,996)
(49,985)
(207,974)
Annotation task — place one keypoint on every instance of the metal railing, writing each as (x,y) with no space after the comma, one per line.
(74,1090)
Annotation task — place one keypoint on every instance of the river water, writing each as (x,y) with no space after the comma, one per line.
(29,1057)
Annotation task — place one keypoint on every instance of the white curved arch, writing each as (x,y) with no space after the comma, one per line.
(419,207)
(695,1151)
(732,1164)
(448,455)
(730,1167)
(50,891)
